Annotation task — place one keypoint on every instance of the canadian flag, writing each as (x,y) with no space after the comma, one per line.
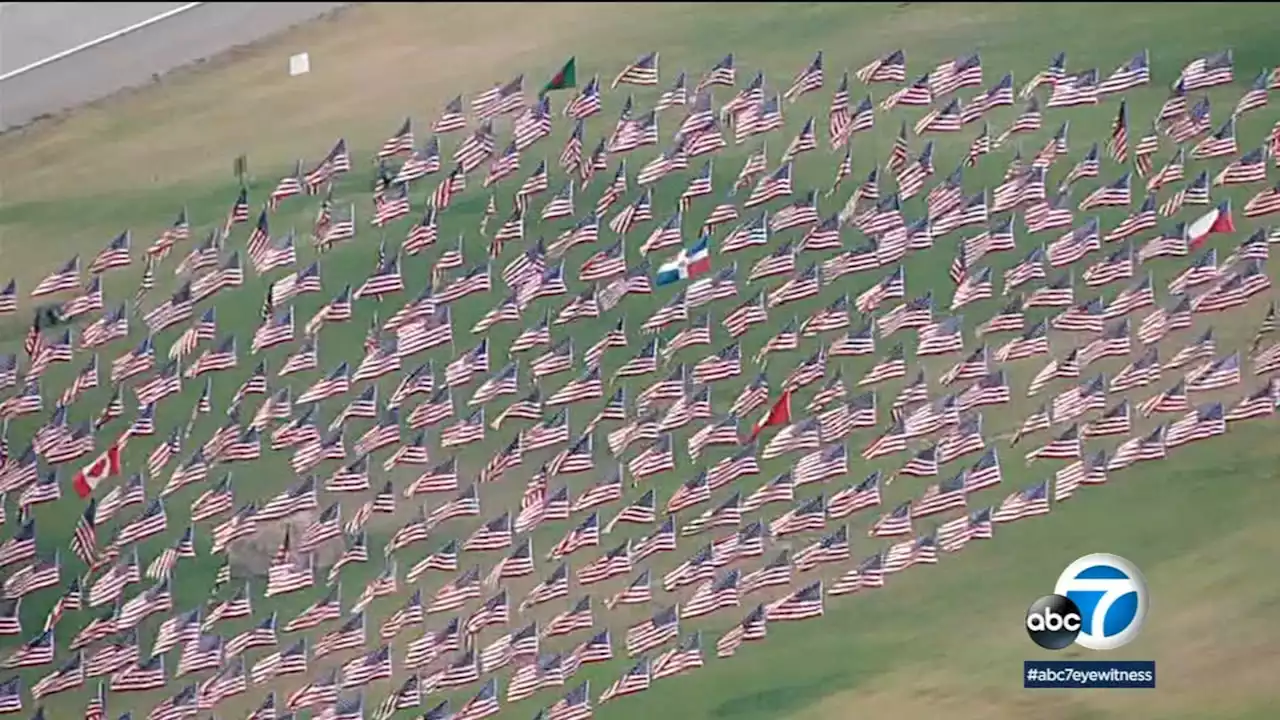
(779,414)
(91,475)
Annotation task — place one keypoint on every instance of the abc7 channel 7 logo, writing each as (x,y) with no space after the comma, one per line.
(1099,603)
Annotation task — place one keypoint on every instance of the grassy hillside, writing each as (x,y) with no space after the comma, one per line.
(944,639)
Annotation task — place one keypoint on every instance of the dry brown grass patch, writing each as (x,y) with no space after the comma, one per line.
(371,65)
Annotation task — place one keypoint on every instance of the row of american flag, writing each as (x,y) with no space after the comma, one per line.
(665,406)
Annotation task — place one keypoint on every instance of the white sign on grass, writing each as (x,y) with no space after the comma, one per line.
(299,64)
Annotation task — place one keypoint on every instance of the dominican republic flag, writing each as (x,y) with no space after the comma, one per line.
(688,263)
(1217,220)
(90,476)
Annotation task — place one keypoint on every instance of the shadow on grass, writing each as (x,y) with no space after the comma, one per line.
(779,701)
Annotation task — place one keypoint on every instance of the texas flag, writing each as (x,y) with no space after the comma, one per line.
(91,475)
(688,263)
(1217,220)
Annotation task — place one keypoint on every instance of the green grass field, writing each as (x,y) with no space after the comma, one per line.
(938,640)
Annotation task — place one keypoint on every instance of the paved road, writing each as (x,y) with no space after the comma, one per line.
(31,31)
(128,61)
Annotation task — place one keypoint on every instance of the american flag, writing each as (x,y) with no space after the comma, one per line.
(1188,124)
(750,96)
(908,553)
(940,498)
(1133,74)
(288,186)
(9,297)
(1029,502)
(292,285)
(360,671)
(809,516)
(973,366)
(1208,71)
(1171,172)
(385,279)
(1139,373)
(1075,90)
(662,627)
(917,94)
(1255,97)
(577,617)
(586,104)
(723,73)
(801,604)
(322,691)
(1220,143)
(807,80)
(990,389)
(1115,194)
(979,146)
(421,162)
(954,535)
(752,627)
(948,118)
(1172,400)
(999,95)
(1249,168)
(203,256)
(482,705)
(1114,421)
(868,575)
(66,278)
(178,231)
(494,611)
(451,117)
(1215,375)
(891,67)
(1140,448)
(686,656)
(1050,76)
(1066,445)
(758,118)
(1260,403)
(1245,282)
(1030,120)
(400,142)
(114,255)
(146,675)
(636,679)
(643,71)
(391,205)
(1147,145)
(1144,218)
(1116,266)
(1091,470)
(821,465)
(336,162)
(704,134)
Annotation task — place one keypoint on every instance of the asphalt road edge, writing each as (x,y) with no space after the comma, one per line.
(189,41)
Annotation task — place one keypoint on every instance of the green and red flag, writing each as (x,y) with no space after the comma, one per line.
(566,77)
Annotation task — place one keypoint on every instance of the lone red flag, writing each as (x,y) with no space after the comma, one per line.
(779,414)
(90,476)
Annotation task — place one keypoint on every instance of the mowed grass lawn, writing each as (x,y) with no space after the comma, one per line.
(937,640)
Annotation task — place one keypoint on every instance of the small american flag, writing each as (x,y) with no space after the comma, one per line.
(643,71)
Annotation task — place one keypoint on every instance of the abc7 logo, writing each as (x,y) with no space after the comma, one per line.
(1053,622)
(1099,603)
